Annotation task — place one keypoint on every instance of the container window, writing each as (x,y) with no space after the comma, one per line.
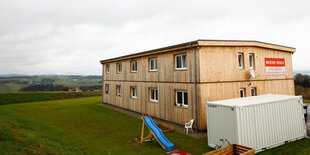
(133,90)
(118,90)
(108,68)
(181,62)
(107,88)
(134,66)
(251,59)
(253,91)
(153,94)
(181,98)
(119,67)
(153,64)
(240,60)
(242,92)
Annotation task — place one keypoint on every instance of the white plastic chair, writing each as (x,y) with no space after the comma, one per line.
(189,125)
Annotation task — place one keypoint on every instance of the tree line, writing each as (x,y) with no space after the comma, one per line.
(45,87)
(53,87)
(302,85)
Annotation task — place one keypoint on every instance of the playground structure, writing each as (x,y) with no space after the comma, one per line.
(232,150)
(156,132)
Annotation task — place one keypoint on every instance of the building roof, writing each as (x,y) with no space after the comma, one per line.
(204,42)
(252,100)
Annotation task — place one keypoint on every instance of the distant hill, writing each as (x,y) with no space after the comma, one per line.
(12,75)
(14,82)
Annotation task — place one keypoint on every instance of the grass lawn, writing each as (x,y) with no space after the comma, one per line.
(79,126)
(22,97)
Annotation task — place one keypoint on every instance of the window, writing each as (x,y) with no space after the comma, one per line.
(253,91)
(242,92)
(181,98)
(133,92)
(251,59)
(180,62)
(153,95)
(108,68)
(153,64)
(118,90)
(240,60)
(119,67)
(134,66)
(107,88)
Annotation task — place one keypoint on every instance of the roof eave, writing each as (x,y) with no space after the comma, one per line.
(154,51)
(203,42)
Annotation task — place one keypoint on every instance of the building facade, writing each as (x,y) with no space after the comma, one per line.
(174,83)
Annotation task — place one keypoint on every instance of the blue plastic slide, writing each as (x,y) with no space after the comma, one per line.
(158,134)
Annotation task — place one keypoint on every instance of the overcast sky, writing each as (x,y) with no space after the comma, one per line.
(72,36)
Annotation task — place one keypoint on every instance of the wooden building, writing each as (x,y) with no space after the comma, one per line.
(174,83)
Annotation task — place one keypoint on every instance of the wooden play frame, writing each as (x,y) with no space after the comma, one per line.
(233,149)
(151,134)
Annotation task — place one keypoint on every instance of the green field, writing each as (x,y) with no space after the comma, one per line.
(21,97)
(80,126)
(11,87)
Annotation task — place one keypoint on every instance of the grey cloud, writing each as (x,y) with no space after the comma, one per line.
(42,37)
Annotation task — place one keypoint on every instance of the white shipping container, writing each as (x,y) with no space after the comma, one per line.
(260,122)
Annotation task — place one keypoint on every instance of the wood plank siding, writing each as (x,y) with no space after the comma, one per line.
(217,74)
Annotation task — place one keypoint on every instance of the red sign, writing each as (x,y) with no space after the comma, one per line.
(275,66)
(274,62)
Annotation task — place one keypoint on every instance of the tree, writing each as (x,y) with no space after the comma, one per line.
(44,87)
(302,80)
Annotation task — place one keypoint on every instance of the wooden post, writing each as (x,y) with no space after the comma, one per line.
(142,129)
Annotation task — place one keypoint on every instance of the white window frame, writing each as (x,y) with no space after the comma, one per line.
(108,68)
(242,61)
(255,91)
(133,91)
(109,88)
(119,67)
(183,100)
(155,96)
(155,67)
(134,66)
(118,90)
(183,64)
(251,59)
(242,91)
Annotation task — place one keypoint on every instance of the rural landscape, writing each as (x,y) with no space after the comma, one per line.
(154,77)
(62,122)
(14,83)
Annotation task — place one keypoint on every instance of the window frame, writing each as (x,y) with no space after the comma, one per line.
(132,90)
(255,91)
(155,66)
(108,68)
(134,65)
(182,63)
(252,65)
(118,90)
(244,92)
(109,89)
(242,60)
(155,94)
(183,105)
(119,68)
